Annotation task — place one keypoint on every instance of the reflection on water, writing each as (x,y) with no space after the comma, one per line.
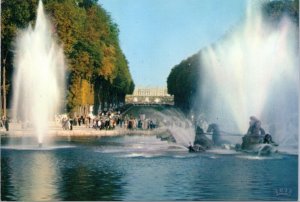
(89,178)
(97,185)
(70,174)
(7,188)
(41,179)
(35,171)
(142,168)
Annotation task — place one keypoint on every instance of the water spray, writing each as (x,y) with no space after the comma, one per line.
(39,75)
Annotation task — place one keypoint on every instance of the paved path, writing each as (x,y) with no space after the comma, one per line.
(80,131)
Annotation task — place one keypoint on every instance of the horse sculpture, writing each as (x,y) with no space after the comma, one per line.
(215,130)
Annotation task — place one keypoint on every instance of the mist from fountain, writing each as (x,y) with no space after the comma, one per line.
(181,128)
(39,75)
(254,70)
(171,120)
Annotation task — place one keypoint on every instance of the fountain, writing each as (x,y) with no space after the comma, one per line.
(254,70)
(39,76)
(181,128)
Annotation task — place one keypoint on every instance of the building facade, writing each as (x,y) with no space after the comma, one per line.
(150,96)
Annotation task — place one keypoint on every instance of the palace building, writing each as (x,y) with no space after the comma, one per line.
(158,95)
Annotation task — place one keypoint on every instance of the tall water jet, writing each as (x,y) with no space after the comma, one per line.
(39,75)
(254,70)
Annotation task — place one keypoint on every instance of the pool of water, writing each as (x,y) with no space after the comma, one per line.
(141,168)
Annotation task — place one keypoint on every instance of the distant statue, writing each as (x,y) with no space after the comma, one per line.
(201,122)
(196,148)
(256,140)
(214,128)
(255,134)
(191,148)
(201,139)
(255,128)
(268,139)
(199,131)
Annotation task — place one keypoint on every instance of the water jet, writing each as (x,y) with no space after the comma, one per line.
(254,70)
(38,81)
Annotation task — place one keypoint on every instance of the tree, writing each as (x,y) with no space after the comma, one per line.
(97,68)
(14,15)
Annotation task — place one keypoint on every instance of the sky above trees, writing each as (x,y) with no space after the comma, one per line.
(155,35)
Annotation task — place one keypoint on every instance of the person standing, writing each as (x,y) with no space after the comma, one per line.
(79,121)
(71,123)
(6,125)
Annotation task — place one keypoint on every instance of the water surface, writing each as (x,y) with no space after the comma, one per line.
(141,168)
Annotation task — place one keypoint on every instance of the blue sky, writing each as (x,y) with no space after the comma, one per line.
(155,35)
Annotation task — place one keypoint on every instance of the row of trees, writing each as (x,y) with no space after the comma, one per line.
(184,80)
(98,72)
(183,83)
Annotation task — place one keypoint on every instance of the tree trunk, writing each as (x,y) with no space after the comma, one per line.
(4,87)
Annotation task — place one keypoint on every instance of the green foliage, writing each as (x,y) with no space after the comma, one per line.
(14,15)
(275,10)
(183,81)
(97,68)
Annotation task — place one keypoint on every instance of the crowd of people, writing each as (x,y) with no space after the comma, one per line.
(108,121)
